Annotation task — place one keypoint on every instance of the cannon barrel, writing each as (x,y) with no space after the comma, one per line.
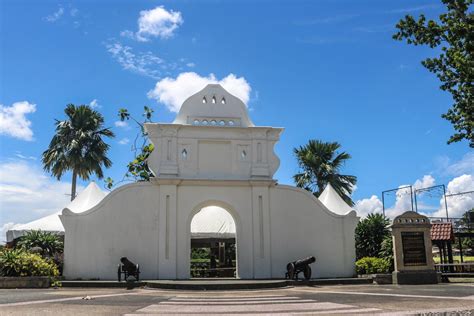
(128,268)
(304,262)
(295,267)
(128,265)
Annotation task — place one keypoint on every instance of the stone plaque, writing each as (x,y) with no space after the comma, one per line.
(414,252)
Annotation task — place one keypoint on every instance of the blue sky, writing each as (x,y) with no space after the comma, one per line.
(322,69)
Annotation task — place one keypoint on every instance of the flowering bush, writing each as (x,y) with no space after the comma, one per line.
(17,262)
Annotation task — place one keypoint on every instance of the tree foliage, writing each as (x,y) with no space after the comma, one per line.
(137,169)
(453,33)
(386,251)
(78,145)
(370,234)
(320,164)
(467,224)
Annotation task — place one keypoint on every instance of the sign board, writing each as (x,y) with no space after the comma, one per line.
(413,246)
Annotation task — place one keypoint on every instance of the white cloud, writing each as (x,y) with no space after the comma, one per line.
(122,124)
(13,121)
(146,64)
(365,207)
(464,166)
(414,9)
(173,91)
(21,156)
(426,182)
(461,184)
(55,16)
(94,104)
(458,204)
(327,19)
(124,141)
(157,22)
(402,200)
(191,65)
(26,198)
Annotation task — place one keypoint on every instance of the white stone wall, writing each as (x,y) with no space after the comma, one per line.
(212,154)
(150,224)
(123,224)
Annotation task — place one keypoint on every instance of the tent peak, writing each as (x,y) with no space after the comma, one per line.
(333,201)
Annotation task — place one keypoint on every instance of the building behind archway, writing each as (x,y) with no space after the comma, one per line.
(211,155)
(213,244)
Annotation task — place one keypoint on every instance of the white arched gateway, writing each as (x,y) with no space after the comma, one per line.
(211,155)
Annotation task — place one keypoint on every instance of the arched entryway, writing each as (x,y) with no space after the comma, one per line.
(213,243)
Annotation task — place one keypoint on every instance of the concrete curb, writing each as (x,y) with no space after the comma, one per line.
(100,284)
(25,282)
(213,284)
(216,285)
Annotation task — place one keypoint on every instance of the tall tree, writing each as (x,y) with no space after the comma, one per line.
(78,145)
(320,164)
(454,67)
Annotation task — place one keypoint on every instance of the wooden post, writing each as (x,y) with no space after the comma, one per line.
(460,249)
(450,255)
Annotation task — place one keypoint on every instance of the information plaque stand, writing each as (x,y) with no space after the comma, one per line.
(412,250)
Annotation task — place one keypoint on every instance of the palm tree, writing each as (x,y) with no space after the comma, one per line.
(78,145)
(320,164)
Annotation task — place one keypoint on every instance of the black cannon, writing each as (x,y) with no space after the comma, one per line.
(295,267)
(128,268)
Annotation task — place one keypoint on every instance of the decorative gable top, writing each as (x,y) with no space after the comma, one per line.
(214,106)
(411,218)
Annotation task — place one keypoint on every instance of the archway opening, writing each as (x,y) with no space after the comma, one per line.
(213,244)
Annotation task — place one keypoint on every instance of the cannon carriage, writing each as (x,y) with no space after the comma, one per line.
(293,269)
(128,268)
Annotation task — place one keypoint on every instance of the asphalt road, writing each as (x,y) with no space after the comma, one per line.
(441,299)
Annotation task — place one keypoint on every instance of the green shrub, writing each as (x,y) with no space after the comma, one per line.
(369,235)
(200,253)
(49,242)
(370,265)
(386,251)
(17,262)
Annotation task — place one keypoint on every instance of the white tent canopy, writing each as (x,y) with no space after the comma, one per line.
(331,199)
(213,222)
(87,199)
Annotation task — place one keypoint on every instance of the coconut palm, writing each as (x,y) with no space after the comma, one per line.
(320,164)
(78,145)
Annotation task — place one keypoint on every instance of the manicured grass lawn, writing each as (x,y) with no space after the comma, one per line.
(461,280)
(457,259)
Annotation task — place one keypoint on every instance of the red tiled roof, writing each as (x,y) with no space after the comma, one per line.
(442,232)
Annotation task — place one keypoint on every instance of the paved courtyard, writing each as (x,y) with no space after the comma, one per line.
(449,299)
